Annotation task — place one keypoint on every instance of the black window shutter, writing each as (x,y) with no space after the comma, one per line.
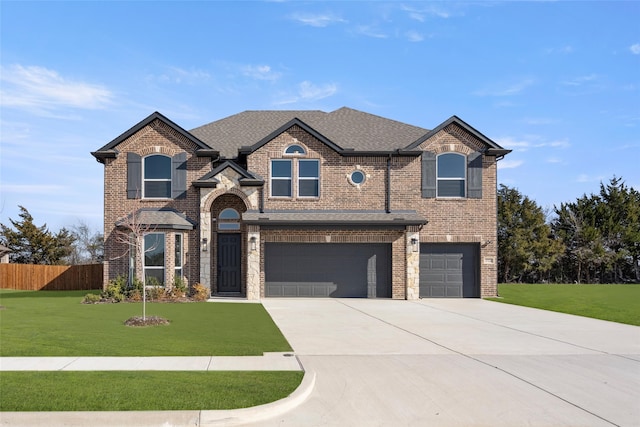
(179,176)
(134,176)
(428,175)
(474,175)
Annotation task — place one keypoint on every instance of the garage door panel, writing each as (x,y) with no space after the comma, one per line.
(327,270)
(448,270)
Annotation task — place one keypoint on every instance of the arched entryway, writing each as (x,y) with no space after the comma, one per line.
(228,255)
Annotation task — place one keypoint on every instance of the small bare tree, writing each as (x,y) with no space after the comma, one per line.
(130,232)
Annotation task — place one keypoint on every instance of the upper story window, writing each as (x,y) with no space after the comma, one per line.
(308,178)
(295,149)
(451,175)
(229,219)
(281,178)
(156,177)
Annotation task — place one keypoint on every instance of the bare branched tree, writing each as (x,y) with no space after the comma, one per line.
(130,232)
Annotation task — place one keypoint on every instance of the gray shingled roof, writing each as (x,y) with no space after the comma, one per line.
(161,218)
(346,127)
(332,218)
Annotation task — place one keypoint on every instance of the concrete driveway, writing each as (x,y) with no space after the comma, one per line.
(461,362)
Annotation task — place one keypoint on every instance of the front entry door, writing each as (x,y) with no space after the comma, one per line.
(229,262)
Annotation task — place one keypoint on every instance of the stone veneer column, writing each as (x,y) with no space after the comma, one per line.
(253,263)
(205,257)
(413,265)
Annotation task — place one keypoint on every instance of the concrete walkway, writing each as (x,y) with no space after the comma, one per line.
(266,362)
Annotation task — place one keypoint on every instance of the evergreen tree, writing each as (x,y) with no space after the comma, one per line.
(527,250)
(30,244)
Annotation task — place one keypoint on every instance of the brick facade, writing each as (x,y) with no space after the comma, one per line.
(462,220)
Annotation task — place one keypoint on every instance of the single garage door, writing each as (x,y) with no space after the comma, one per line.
(448,270)
(327,270)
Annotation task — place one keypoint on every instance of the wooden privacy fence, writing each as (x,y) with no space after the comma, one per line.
(50,277)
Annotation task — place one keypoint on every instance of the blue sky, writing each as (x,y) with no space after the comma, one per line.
(556,82)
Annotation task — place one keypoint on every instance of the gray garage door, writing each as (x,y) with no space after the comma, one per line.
(448,270)
(327,270)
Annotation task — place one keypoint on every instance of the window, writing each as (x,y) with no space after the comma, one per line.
(308,178)
(178,256)
(295,149)
(451,175)
(157,177)
(154,249)
(357,177)
(281,178)
(229,219)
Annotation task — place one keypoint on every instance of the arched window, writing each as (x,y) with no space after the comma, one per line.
(451,175)
(156,177)
(295,149)
(229,219)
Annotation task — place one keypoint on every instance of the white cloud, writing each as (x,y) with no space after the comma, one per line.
(560,50)
(506,90)
(589,178)
(307,91)
(635,48)
(317,20)
(42,90)
(532,142)
(554,160)
(371,31)
(261,72)
(509,164)
(581,80)
(414,36)
(431,9)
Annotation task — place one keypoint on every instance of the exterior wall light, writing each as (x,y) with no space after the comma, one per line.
(253,241)
(414,244)
(205,244)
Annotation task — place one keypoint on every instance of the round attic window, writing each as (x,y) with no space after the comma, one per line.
(357,177)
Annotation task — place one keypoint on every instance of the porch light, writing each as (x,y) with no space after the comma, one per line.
(205,246)
(253,242)
(414,244)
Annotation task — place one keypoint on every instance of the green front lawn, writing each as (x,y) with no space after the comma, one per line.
(142,390)
(617,303)
(55,323)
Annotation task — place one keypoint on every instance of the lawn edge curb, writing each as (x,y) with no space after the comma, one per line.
(194,418)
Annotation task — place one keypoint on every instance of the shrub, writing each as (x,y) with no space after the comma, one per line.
(179,287)
(199,292)
(116,289)
(92,299)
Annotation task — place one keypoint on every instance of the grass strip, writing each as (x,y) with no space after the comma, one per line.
(616,303)
(142,390)
(55,323)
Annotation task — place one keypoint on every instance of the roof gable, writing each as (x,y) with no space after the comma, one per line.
(246,178)
(110,149)
(295,121)
(491,147)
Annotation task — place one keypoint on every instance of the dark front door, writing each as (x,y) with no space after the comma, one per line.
(229,262)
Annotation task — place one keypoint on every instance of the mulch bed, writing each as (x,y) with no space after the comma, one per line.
(148,321)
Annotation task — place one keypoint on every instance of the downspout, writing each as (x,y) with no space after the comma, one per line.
(387,201)
(261,202)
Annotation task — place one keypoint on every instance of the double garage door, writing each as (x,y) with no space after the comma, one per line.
(340,270)
(448,270)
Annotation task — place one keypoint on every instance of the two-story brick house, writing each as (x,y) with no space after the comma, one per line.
(306,204)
